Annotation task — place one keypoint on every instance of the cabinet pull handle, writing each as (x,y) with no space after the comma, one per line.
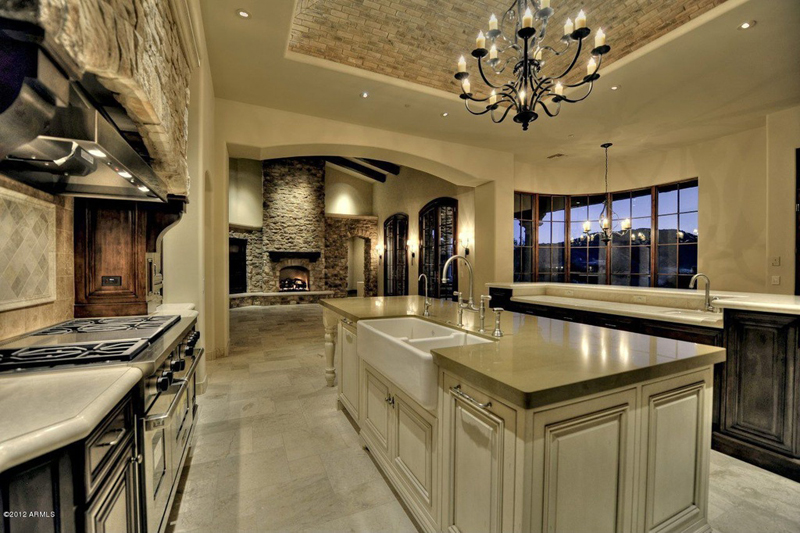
(458,392)
(120,433)
(390,400)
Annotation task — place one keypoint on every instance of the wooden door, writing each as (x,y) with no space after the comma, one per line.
(583,465)
(479,461)
(438,228)
(414,453)
(761,369)
(378,405)
(349,376)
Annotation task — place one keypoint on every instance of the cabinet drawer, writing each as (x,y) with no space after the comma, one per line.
(105,444)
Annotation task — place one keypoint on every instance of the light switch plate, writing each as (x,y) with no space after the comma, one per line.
(776,261)
(776,280)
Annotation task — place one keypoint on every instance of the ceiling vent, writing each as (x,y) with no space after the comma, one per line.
(556,156)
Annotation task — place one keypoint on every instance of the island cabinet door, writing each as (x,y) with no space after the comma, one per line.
(675,443)
(349,369)
(415,455)
(583,466)
(479,459)
(761,365)
(377,410)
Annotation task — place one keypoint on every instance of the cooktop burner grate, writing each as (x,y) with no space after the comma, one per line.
(86,352)
(153,326)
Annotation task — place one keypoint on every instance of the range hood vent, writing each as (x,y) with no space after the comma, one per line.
(53,138)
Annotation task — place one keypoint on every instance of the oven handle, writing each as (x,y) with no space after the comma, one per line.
(155,421)
(196,360)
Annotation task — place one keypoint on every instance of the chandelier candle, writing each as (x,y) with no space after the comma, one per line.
(580,20)
(492,22)
(462,65)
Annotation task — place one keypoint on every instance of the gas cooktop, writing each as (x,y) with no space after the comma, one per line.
(78,353)
(85,340)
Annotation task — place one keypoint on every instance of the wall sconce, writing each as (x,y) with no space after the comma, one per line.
(413,248)
(466,241)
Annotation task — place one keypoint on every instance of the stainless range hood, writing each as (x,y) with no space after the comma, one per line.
(53,138)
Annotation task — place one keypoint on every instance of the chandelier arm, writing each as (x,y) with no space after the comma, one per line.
(483,76)
(505,65)
(503,116)
(572,64)
(556,52)
(547,110)
(466,104)
(584,82)
(584,97)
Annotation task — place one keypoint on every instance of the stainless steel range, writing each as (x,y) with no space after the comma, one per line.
(164,348)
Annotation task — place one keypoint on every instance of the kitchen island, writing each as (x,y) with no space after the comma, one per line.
(554,426)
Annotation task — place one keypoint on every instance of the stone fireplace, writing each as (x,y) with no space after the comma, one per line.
(294,279)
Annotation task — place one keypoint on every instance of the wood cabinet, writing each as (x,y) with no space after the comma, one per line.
(349,369)
(403,438)
(114,508)
(478,458)
(117,255)
(583,465)
(760,413)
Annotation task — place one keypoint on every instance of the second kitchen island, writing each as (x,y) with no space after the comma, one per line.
(553,427)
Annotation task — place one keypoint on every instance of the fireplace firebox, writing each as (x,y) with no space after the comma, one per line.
(293,279)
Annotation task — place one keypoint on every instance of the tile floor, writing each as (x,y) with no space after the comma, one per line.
(272,452)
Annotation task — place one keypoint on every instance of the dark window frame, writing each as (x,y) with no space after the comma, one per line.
(605,279)
(437,289)
(395,250)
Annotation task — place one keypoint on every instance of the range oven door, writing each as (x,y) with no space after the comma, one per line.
(167,430)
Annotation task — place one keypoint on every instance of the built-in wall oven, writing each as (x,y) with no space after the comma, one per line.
(167,429)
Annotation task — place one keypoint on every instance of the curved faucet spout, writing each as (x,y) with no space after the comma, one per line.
(469,268)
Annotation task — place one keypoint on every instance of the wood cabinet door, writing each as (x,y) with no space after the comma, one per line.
(583,466)
(675,448)
(349,374)
(414,453)
(479,461)
(114,508)
(760,403)
(377,411)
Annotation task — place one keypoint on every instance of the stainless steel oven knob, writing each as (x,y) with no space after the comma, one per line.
(178,365)
(164,381)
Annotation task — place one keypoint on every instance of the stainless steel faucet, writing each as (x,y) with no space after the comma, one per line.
(709,299)
(470,305)
(427,311)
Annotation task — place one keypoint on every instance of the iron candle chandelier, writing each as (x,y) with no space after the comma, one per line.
(607,215)
(529,92)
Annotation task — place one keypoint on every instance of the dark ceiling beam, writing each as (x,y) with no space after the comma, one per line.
(358,168)
(389,168)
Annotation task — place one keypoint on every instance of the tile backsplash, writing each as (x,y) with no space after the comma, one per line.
(36,259)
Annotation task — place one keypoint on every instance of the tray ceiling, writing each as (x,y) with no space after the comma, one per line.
(420,40)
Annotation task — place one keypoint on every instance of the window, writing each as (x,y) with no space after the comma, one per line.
(677,234)
(658,249)
(438,227)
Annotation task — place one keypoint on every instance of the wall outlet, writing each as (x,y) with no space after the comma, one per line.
(640,299)
(776,261)
(776,280)
(569,292)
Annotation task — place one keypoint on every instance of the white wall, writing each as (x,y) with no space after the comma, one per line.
(346,194)
(245,193)
(408,193)
(355,262)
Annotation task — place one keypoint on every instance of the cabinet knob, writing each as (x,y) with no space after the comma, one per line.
(138,459)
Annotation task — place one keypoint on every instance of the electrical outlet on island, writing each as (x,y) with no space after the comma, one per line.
(776,280)
(640,299)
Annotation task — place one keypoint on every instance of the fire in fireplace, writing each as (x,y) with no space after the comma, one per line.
(294,279)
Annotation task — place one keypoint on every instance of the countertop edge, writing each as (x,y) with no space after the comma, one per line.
(571,391)
(42,441)
(647,315)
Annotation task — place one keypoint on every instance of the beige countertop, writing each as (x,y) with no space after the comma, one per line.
(670,298)
(43,411)
(540,360)
(651,312)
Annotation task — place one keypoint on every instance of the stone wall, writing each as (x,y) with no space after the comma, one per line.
(339,230)
(136,49)
(255,257)
(294,215)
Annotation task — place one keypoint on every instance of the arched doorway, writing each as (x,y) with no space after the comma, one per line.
(395,261)
(438,227)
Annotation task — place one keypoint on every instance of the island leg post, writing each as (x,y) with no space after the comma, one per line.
(330,322)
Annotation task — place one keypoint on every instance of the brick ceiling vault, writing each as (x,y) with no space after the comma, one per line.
(420,40)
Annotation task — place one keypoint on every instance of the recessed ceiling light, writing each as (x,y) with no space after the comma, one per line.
(445,114)
(242,13)
(143,188)
(614,87)
(747,25)
(365,94)
(125,174)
